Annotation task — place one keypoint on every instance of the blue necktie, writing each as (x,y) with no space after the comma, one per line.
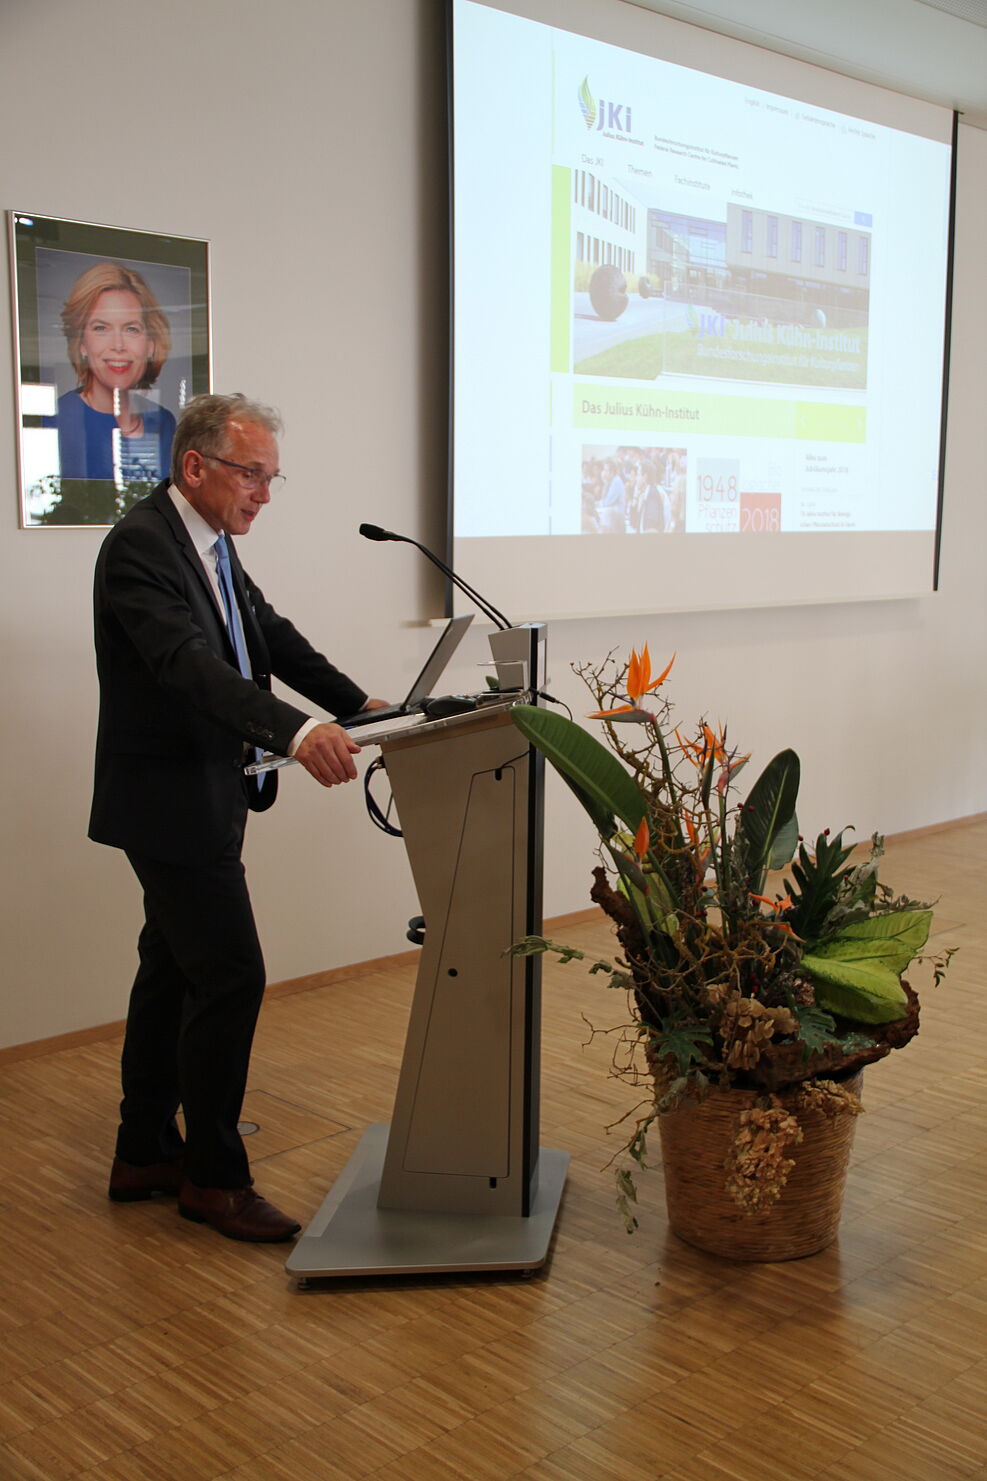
(233,621)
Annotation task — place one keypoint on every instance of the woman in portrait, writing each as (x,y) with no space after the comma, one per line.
(118,339)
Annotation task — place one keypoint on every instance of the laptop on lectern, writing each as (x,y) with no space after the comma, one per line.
(432,671)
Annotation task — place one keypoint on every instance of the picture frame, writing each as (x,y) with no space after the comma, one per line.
(111,339)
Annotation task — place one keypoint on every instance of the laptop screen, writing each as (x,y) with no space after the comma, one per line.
(432,671)
(438,659)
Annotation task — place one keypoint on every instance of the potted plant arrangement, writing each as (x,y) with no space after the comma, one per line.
(752,1017)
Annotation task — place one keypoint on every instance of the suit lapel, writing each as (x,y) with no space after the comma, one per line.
(162,502)
(256,643)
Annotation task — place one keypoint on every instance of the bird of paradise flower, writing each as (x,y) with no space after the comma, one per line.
(639,683)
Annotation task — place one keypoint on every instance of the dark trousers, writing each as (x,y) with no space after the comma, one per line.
(190,1024)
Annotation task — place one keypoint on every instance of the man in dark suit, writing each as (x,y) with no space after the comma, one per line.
(185,647)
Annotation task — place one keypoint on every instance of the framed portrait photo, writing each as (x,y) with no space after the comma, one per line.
(111,339)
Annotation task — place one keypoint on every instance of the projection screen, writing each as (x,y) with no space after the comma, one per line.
(699,303)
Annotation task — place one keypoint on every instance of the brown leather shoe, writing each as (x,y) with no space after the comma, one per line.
(239,1213)
(130,1183)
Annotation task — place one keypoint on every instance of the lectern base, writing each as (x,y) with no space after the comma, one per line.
(351,1236)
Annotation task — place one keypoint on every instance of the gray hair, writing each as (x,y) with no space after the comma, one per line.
(203,426)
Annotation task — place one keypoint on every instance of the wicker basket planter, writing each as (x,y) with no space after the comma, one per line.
(696,1142)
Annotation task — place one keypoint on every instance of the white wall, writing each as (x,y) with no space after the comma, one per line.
(307,145)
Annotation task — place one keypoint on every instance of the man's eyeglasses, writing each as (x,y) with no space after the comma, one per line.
(250,478)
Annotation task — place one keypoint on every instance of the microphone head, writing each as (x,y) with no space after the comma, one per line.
(374,532)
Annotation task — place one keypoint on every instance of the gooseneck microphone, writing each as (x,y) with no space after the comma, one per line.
(374,532)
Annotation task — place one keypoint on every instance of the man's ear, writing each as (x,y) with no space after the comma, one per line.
(193,468)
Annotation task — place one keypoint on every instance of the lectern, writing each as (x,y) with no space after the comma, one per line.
(457,1181)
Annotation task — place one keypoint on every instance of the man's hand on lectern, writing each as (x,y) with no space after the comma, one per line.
(327,754)
(327,751)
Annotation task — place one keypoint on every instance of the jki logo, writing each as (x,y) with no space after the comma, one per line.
(613,116)
(606,117)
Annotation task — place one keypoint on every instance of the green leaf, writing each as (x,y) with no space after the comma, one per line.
(625,1182)
(859,968)
(601,783)
(530,946)
(686,1043)
(895,938)
(940,963)
(635,888)
(817,1029)
(783,845)
(648,890)
(535,945)
(630,870)
(818,880)
(867,990)
(768,812)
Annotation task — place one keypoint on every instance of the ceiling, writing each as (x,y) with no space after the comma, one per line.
(931,49)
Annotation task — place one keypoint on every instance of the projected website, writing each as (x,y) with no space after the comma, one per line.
(691,306)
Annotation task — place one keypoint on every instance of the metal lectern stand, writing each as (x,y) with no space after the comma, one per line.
(457,1181)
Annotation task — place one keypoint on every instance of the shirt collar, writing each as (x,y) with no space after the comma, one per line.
(202,534)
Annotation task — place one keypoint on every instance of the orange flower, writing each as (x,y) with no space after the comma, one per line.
(691,749)
(642,838)
(777,907)
(639,680)
(698,751)
(714,743)
(639,683)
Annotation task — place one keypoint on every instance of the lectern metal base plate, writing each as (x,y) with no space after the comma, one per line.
(351,1236)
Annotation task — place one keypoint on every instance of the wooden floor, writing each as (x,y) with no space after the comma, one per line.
(139,1347)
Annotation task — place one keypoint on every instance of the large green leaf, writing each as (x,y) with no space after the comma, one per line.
(895,938)
(601,783)
(630,871)
(650,894)
(857,972)
(768,815)
(866,990)
(784,844)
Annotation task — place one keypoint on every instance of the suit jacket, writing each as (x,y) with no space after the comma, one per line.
(174,710)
